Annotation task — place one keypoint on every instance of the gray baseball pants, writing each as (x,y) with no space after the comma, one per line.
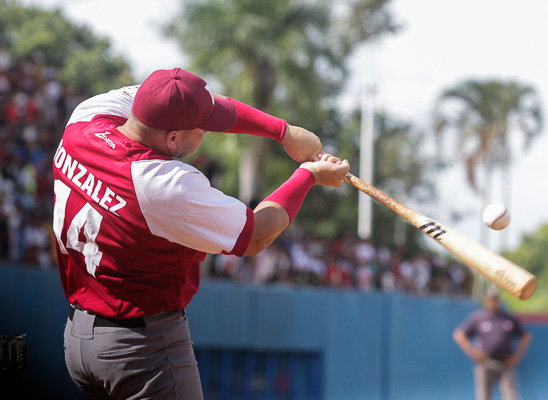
(490,372)
(152,362)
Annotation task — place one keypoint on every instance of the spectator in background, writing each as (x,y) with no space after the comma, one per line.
(423,274)
(459,279)
(338,272)
(36,241)
(266,264)
(365,256)
(440,282)
(494,358)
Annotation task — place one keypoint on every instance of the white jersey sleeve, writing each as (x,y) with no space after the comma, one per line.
(179,204)
(116,102)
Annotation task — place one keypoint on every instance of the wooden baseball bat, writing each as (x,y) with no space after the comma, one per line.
(502,272)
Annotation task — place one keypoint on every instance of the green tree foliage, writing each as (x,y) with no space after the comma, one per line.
(403,170)
(84,60)
(285,57)
(485,113)
(532,254)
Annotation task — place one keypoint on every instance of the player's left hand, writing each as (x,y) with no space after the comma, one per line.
(301,144)
(328,170)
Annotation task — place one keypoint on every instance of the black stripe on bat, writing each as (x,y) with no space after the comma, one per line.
(434,229)
(426,225)
(439,234)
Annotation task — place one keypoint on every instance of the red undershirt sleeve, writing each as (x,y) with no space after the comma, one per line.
(290,195)
(255,122)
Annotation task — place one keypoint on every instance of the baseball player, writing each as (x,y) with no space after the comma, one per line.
(132,224)
(494,358)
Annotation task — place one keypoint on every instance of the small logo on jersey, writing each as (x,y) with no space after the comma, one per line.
(105,137)
(130,91)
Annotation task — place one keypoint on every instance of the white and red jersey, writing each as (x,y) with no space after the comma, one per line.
(131,223)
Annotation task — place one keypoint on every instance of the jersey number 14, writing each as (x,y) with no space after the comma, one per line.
(88,220)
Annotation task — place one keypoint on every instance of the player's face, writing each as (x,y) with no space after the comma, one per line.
(492,304)
(187,142)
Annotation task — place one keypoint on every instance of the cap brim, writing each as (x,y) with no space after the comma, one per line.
(222,118)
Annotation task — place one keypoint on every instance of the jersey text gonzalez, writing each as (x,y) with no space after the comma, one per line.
(86,181)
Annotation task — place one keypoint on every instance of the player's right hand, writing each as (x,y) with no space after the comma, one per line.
(301,144)
(478,355)
(328,170)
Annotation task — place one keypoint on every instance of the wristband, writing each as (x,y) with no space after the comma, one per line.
(255,122)
(290,195)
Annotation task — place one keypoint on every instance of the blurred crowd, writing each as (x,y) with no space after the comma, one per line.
(34,109)
(348,262)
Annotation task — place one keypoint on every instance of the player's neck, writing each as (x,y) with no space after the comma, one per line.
(130,133)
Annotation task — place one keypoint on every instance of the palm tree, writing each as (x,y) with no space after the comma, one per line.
(485,114)
(285,57)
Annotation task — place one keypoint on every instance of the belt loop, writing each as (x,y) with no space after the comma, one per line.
(82,325)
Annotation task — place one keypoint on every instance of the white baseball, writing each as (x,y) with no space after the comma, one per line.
(496,216)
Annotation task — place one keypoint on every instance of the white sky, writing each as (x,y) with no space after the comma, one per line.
(442,43)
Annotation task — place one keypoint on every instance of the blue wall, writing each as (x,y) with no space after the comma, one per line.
(372,346)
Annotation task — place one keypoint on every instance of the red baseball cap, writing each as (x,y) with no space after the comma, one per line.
(178,100)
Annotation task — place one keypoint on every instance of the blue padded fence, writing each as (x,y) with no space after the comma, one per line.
(275,342)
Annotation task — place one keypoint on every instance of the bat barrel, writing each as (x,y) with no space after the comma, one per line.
(528,289)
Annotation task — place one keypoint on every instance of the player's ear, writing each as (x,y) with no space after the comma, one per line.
(171,137)
(170,141)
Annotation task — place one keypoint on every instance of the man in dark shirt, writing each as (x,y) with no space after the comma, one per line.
(492,353)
